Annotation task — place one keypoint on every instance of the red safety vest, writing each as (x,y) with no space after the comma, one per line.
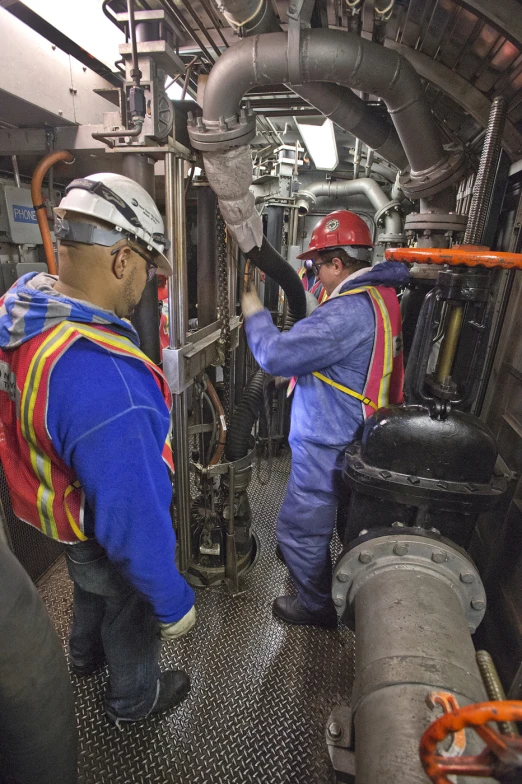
(385,377)
(44,491)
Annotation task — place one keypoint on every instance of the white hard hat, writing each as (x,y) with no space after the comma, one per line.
(123,203)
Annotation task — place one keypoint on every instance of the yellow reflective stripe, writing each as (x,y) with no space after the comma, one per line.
(346,390)
(388,343)
(119,342)
(41,462)
(72,522)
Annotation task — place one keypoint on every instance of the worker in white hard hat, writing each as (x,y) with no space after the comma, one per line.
(85,448)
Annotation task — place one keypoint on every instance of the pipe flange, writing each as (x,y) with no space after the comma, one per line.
(391,239)
(426,183)
(422,552)
(223,134)
(388,208)
(435,221)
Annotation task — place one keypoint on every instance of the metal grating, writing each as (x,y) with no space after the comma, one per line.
(261,691)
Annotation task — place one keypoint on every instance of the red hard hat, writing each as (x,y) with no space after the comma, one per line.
(336,230)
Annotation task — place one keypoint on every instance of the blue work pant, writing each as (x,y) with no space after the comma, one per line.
(111,618)
(307,518)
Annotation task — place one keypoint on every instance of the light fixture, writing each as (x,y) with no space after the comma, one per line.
(318,136)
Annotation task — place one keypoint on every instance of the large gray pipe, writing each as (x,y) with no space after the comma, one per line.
(339,190)
(412,639)
(329,56)
(337,103)
(412,599)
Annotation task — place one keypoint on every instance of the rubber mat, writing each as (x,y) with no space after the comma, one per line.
(261,690)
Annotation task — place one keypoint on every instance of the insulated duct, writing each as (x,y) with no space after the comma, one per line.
(327,56)
(337,103)
(386,210)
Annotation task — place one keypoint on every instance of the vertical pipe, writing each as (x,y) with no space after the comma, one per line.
(178,322)
(207,259)
(232,273)
(145,318)
(357,158)
(274,235)
(135,73)
(486,174)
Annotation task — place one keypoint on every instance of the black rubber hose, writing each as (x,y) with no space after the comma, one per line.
(244,418)
(269,261)
(38,738)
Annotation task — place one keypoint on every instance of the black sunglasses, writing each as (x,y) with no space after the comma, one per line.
(315,267)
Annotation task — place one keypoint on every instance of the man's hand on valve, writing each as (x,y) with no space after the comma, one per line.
(171,631)
(250,304)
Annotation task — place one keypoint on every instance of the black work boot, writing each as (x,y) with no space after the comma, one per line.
(288,609)
(175,685)
(85,669)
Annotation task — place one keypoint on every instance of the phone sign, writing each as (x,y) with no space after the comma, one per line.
(23,214)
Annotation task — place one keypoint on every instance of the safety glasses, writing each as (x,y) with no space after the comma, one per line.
(316,266)
(152,268)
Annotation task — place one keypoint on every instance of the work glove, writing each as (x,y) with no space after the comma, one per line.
(171,631)
(250,304)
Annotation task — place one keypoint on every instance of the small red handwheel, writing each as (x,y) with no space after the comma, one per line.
(502,754)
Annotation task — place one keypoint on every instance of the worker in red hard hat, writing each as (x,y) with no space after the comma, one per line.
(341,229)
(352,365)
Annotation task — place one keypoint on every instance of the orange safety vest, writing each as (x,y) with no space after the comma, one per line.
(44,491)
(385,377)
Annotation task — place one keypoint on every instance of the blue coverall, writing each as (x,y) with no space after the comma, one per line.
(337,338)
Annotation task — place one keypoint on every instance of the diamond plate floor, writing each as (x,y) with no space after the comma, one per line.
(261,691)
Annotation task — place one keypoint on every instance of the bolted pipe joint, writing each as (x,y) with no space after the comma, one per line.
(230,175)
(422,184)
(226,133)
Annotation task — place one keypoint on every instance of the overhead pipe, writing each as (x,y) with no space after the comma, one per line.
(38,203)
(364,185)
(329,56)
(337,103)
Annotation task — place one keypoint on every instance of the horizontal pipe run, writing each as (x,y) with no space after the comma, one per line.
(330,56)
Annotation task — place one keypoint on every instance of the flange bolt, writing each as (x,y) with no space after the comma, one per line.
(438,556)
(335,731)
(365,557)
(338,601)
(467,577)
(400,548)
(343,577)
(478,604)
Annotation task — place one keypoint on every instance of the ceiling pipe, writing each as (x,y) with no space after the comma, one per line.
(337,103)
(386,210)
(329,56)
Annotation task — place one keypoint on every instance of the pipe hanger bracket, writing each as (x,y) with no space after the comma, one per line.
(299,15)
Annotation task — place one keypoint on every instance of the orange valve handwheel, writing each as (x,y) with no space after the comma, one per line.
(465,255)
(502,754)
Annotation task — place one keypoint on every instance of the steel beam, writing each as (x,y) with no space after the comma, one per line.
(459,90)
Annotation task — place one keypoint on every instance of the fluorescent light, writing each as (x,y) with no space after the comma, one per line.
(319,138)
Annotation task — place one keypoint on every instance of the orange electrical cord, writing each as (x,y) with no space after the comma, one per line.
(467,255)
(220,411)
(36,194)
